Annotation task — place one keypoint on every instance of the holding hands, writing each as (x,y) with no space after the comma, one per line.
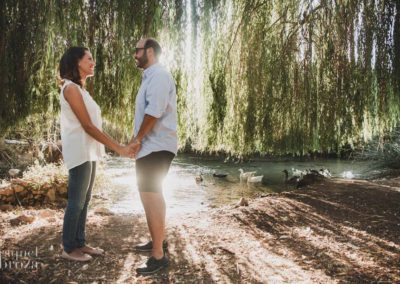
(130,150)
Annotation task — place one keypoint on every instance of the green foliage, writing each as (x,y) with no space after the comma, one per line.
(36,34)
(253,76)
(217,111)
(385,151)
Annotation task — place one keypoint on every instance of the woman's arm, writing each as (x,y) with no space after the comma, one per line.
(73,96)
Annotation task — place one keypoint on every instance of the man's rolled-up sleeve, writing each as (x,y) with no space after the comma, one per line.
(157,95)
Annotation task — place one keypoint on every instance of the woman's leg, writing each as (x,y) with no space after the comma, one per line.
(80,233)
(78,185)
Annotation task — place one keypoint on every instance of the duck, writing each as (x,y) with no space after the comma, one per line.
(245,175)
(312,171)
(290,181)
(220,175)
(309,179)
(199,178)
(298,173)
(255,179)
(325,172)
(348,174)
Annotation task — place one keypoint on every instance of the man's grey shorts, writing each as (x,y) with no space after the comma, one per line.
(152,169)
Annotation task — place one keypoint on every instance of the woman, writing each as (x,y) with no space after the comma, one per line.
(82,146)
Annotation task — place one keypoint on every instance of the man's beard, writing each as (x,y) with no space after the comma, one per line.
(142,61)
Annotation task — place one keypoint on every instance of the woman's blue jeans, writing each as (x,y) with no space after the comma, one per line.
(80,184)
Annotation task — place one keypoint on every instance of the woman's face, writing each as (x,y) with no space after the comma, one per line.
(86,65)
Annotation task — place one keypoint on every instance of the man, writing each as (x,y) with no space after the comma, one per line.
(155,142)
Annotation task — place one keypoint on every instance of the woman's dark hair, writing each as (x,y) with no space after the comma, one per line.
(69,64)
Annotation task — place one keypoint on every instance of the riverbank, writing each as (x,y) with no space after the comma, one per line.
(338,232)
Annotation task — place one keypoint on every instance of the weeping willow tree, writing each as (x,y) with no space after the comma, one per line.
(253,76)
(294,76)
(35,35)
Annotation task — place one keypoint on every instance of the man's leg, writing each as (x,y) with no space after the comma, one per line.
(154,207)
(150,172)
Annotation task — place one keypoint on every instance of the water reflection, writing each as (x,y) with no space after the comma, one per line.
(183,194)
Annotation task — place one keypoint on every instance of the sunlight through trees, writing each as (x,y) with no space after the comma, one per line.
(252,76)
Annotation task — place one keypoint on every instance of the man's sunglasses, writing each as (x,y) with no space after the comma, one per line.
(137,49)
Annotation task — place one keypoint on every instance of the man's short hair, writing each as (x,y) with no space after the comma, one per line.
(151,42)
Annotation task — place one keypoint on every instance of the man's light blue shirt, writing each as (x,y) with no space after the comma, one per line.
(157,97)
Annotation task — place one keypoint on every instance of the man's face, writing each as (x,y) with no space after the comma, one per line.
(140,55)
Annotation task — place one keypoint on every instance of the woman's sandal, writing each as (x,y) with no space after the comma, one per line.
(92,251)
(83,257)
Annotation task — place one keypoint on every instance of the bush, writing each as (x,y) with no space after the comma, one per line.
(385,151)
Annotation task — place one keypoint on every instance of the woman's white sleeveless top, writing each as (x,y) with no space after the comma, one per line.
(79,147)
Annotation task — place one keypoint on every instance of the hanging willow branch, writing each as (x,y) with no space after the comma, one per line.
(315,79)
(245,14)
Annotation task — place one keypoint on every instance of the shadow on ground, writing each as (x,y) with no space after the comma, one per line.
(333,232)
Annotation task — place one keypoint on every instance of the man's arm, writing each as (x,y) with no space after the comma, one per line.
(157,99)
(147,125)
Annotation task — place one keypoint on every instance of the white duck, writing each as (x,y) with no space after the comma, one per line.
(299,173)
(325,172)
(245,175)
(256,179)
(199,178)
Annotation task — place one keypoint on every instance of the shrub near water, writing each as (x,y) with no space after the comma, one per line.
(385,151)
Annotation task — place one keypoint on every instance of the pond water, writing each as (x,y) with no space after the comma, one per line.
(183,194)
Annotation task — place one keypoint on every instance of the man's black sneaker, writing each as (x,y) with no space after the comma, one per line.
(153,265)
(149,246)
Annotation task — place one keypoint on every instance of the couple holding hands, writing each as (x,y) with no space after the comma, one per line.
(154,145)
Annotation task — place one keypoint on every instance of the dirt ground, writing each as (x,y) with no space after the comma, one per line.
(337,232)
